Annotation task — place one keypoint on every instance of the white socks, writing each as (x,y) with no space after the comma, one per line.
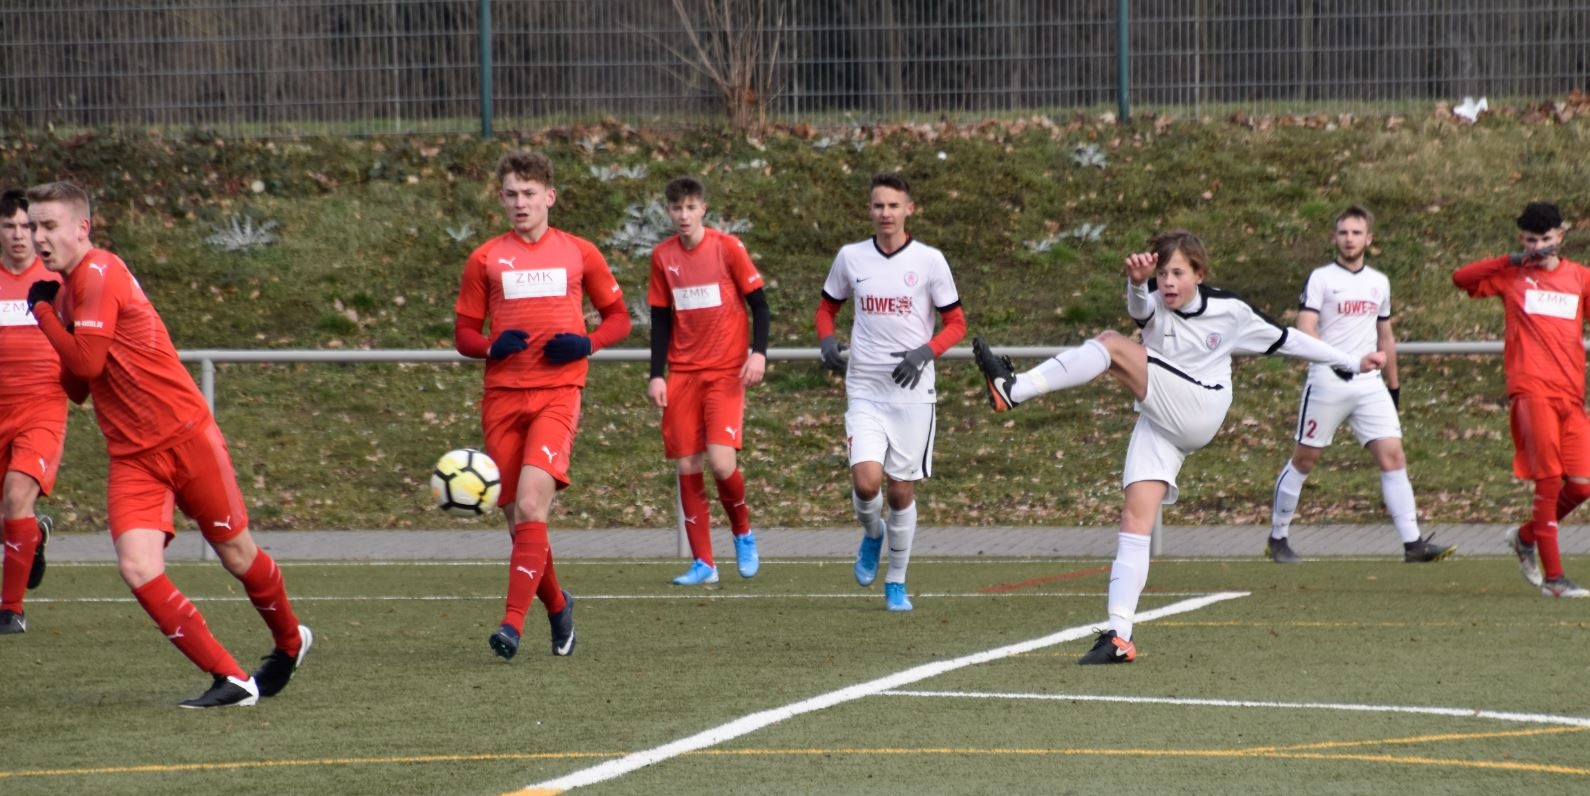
(1398,492)
(1283,505)
(1070,368)
(1127,577)
(868,512)
(902,530)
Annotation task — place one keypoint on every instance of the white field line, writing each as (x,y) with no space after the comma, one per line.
(620,598)
(756,721)
(837,560)
(1467,713)
(693,595)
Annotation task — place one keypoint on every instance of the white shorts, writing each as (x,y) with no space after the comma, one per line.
(1175,418)
(1363,403)
(900,436)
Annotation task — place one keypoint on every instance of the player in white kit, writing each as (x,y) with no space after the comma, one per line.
(1180,376)
(1348,304)
(899,284)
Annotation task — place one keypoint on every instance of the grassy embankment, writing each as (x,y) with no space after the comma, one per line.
(368,258)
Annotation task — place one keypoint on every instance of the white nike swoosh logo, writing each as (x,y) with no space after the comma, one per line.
(564,650)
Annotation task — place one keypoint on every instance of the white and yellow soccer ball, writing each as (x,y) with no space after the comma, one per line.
(466,483)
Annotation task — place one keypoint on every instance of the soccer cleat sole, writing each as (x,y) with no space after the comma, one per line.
(1528,565)
(995,370)
(504,645)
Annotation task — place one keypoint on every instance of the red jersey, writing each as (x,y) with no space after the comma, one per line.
(144,399)
(538,288)
(704,287)
(31,367)
(1543,348)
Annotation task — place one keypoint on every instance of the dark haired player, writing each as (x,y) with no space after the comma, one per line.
(1543,298)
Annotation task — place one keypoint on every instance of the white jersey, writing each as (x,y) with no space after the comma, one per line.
(1350,305)
(898,299)
(1197,343)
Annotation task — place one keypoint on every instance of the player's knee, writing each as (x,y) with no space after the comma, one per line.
(136,571)
(20,494)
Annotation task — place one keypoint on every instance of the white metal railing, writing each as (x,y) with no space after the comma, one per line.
(207,359)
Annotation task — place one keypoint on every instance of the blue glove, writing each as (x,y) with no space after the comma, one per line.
(909,371)
(43,290)
(1344,375)
(510,342)
(567,347)
(831,350)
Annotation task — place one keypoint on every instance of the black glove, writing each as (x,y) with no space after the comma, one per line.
(510,342)
(1531,258)
(831,350)
(909,371)
(1344,375)
(1396,397)
(567,347)
(43,290)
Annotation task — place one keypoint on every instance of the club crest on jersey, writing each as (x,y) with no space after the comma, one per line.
(911,279)
(1213,341)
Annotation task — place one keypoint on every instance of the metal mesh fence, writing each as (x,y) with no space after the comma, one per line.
(390,66)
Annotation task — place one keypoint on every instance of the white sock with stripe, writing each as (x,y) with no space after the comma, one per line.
(868,512)
(1398,491)
(1128,576)
(901,532)
(1283,504)
(1070,368)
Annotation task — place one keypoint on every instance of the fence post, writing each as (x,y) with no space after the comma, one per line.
(485,68)
(1123,45)
(207,384)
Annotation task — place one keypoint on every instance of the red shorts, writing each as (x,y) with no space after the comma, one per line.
(530,427)
(705,407)
(195,475)
(1551,438)
(32,440)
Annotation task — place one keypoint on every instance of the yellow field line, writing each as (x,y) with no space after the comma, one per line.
(1415,739)
(1293,752)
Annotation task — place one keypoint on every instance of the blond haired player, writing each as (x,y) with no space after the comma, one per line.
(165,449)
(530,284)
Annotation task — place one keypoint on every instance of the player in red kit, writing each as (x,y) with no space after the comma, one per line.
(32,413)
(531,282)
(702,280)
(1543,297)
(165,448)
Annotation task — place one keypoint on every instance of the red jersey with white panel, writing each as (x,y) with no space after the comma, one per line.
(31,368)
(144,399)
(538,288)
(898,299)
(705,287)
(1351,304)
(1543,337)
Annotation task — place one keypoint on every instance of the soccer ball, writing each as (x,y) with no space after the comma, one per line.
(465,483)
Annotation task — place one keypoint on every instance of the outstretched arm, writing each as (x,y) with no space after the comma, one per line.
(1299,345)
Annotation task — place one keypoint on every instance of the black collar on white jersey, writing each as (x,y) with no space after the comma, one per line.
(890,255)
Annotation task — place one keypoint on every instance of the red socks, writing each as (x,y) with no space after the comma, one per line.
(1543,526)
(268,592)
(698,516)
(527,568)
(550,592)
(21,539)
(731,493)
(184,626)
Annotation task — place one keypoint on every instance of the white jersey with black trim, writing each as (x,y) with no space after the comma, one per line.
(898,299)
(1198,341)
(1350,305)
